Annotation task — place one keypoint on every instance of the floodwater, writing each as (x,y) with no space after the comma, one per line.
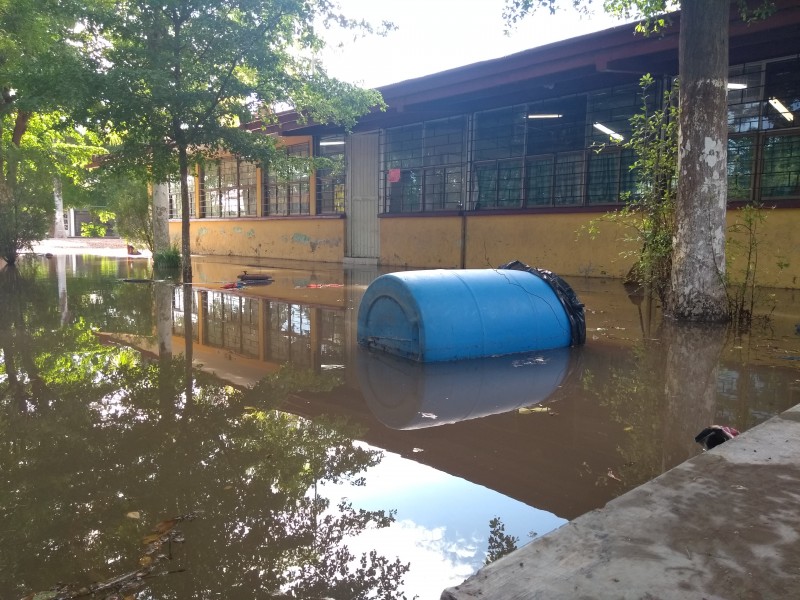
(270,457)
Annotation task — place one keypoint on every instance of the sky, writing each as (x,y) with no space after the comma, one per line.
(442,522)
(436,35)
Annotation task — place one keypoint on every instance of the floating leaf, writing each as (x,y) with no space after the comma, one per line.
(165,526)
(146,561)
(134,514)
(151,539)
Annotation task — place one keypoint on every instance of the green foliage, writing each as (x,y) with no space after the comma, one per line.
(40,50)
(129,200)
(650,213)
(181,77)
(20,225)
(99,225)
(500,543)
(167,259)
(655,14)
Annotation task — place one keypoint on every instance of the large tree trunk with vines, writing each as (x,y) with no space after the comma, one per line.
(698,269)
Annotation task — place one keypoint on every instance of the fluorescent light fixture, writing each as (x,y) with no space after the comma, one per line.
(544,116)
(610,132)
(779,106)
(332,143)
(732,85)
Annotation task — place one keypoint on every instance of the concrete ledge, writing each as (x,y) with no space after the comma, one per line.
(722,525)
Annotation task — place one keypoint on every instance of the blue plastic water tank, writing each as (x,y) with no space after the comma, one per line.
(443,314)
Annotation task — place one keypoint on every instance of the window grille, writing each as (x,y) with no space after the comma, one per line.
(286,184)
(174,197)
(229,189)
(424,166)
(764,131)
(331,179)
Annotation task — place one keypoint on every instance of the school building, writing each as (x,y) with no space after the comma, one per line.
(511,158)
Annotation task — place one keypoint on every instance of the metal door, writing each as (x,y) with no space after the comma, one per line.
(363,175)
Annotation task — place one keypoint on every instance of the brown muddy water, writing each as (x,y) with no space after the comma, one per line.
(270,457)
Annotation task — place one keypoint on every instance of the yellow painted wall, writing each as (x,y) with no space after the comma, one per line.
(420,242)
(560,243)
(552,241)
(547,241)
(313,239)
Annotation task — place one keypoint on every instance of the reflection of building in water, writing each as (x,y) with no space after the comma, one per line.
(263,329)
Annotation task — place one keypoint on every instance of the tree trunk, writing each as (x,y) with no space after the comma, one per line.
(698,266)
(58,226)
(186,251)
(160,218)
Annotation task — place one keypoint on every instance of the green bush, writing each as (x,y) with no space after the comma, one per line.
(167,259)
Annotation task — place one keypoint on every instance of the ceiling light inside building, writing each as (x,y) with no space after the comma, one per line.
(332,143)
(732,85)
(610,132)
(544,116)
(781,108)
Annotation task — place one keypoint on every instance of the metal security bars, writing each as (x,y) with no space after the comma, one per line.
(561,152)
(228,189)
(764,131)
(287,189)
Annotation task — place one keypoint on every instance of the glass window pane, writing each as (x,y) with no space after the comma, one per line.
(404,147)
(781,172)
(331,179)
(740,167)
(613,109)
(782,95)
(744,103)
(404,190)
(500,133)
(556,126)
(568,188)
(603,178)
(444,141)
(509,183)
(484,186)
(539,175)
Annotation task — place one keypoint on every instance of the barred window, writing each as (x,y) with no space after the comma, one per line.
(764,131)
(331,179)
(229,189)
(780,177)
(174,196)
(287,184)
(545,153)
(424,166)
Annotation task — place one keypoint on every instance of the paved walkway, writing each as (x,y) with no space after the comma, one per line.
(78,245)
(723,525)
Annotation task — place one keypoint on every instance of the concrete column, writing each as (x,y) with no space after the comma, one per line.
(161,240)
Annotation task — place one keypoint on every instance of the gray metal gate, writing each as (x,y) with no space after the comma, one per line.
(363,173)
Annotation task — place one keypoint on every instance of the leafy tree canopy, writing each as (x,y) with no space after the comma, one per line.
(188,73)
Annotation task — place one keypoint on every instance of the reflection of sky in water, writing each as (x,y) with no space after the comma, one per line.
(442,525)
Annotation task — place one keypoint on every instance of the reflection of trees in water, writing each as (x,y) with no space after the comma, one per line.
(661,396)
(116,435)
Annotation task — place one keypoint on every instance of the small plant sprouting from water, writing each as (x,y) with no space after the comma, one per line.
(167,259)
(743,237)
